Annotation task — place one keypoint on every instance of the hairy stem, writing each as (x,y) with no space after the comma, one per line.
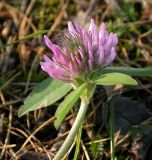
(74,130)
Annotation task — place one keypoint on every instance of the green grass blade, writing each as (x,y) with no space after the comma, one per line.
(112,145)
(78,143)
(25,38)
(142,72)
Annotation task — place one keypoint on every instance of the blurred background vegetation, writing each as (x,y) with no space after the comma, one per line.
(34,136)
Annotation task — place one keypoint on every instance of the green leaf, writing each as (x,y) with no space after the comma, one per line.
(44,94)
(25,38)
(67,104)
(115,78)
(142,72)
(143,128)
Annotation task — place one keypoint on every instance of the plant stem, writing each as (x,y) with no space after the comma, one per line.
(112,145)
(74,130)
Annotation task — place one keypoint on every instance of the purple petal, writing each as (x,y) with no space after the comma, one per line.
(94,32)
(72,69)
(109,58)
(115,40)
(55,48)
(103,34)
(47,61)
(51,68)
(74,62)
(71,28)
(101,55)
(95,37)
(59,73)
(109,43)
(102,31)
(55,71)
(78,29)
(92,26)
(57,52)
(81,51)
(48,42)
(59,56)
(85,37)
(45,67)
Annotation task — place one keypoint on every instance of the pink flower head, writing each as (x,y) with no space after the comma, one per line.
(80,51)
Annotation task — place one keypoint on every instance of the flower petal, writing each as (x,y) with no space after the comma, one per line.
(102,31)
(109,43)
(115,40)
(48,42)
(101,55)
(71,28)
(94,32)
(110,57)
(82,51)
(92,26)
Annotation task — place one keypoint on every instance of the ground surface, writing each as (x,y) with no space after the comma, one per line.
(33,136)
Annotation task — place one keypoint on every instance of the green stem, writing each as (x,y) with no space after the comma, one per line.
(112,145)
(74,130)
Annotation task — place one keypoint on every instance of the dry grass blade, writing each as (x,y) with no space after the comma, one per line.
(30,72)
(8,146)
(25,135)
(85,151)
(146,34)
(8,134)
(66,156)
(37,130)
(9,81)
(34,145)
(12,12)
(24,29)
(22,24)
(58,19)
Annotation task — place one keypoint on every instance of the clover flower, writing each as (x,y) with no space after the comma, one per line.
(79,52)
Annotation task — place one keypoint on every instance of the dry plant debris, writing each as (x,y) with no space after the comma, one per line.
(34,136)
